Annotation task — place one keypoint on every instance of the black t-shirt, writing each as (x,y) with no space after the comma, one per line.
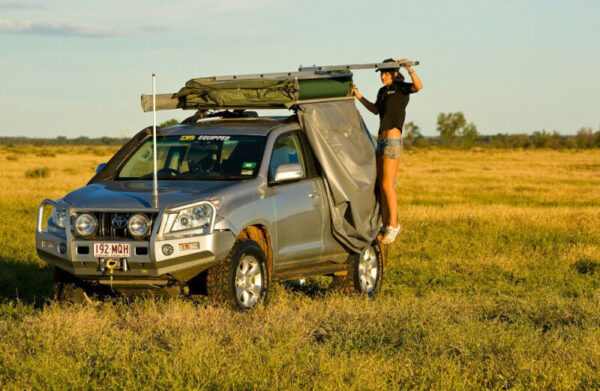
(391,104)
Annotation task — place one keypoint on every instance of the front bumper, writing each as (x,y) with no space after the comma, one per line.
(147,265)
(182,265)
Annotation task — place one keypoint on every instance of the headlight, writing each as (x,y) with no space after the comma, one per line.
(199,216)
(138,225)
(86,224)
(59,216)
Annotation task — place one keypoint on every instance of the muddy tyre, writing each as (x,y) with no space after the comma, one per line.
(240,280)
(364,273)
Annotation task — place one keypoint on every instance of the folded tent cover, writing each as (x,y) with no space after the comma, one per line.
(280,92)
(334,129)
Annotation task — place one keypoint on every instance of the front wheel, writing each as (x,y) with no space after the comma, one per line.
(364,273)
(241,279)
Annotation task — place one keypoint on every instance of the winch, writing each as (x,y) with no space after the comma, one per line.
(113,264)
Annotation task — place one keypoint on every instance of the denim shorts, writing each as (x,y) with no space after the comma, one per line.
(390,148)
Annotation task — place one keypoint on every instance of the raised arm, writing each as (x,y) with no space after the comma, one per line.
(369,106)
(417,84)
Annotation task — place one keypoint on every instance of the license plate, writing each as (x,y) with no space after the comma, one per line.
(111,250)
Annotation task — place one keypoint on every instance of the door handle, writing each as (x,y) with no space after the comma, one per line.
(314,195)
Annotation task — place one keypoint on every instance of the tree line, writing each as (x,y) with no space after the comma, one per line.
(62,140)
(453,128)
(455,132)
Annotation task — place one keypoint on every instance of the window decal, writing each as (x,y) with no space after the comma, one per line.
(210,138)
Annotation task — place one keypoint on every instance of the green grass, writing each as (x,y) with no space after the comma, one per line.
(41,172)
(494,284)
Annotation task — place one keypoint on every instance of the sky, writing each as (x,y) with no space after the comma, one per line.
(78,67)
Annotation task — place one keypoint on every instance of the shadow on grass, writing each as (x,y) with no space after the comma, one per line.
(311,287)
(26,282)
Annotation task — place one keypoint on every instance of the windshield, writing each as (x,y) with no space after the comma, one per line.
(197,157)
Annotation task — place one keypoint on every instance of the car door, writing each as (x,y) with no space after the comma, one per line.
(298,206)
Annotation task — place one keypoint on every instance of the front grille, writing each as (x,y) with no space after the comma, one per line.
(113,225)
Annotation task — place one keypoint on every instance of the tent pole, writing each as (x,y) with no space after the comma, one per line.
(155,178)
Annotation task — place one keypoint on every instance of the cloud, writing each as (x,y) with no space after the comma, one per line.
(203,8)
(56,29)
(156,29)
(19,5)
(228,7)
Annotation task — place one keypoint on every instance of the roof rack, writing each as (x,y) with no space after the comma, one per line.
(276,90)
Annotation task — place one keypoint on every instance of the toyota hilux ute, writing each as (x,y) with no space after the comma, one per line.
(242,201)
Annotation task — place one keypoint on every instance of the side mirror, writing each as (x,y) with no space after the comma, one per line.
(288,172)
(100,167)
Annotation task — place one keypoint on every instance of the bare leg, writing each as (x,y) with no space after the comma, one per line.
(390,169)
(385,215)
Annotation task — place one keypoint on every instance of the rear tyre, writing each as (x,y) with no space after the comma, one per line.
(364,273)
(240,280)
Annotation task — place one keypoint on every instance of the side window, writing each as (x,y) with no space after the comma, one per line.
(287,150)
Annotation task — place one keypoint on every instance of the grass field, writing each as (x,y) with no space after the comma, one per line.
(494,283)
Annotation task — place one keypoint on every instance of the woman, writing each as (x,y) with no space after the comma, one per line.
(391,103)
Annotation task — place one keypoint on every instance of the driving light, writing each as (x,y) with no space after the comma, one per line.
(167,249)
(138,225)
(86,224)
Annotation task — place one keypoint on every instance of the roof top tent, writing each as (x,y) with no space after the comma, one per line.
(268,90)
(327,114)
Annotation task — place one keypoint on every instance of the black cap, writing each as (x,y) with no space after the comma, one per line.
(383,68)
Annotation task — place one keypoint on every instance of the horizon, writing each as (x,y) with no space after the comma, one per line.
(510,67)
(426,135)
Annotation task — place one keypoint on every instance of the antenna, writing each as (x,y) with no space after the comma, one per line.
(155,179)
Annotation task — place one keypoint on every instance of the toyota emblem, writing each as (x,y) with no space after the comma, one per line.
(119,222)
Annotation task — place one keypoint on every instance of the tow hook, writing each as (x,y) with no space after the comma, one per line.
(111,265)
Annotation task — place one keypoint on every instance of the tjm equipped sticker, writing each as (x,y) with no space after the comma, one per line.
(211,138)
(187,138)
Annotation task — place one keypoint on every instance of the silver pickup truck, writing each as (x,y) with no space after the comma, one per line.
(242,203)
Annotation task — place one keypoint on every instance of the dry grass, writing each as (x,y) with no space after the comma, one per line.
(494,284)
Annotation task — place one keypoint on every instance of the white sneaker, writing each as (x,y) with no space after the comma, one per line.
(390,234)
